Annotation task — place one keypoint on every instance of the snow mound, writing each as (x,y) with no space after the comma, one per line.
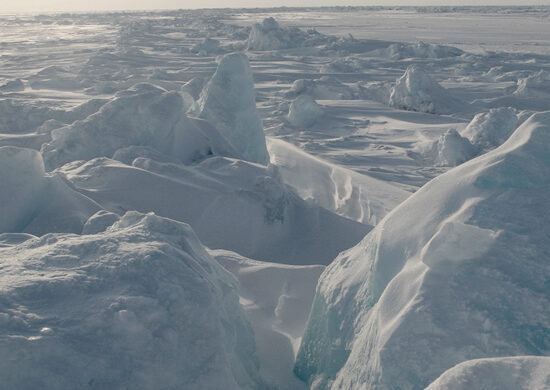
(489,130)
(207,46)
(399,51)
(231,204)
(451,150)
(141,305)
(417,91)
(324,88)
(343,65)
(228,101)
(12,86)
(458,271)
(304,111)
(269,35)
(144,115)
(35,203)
(534,86)
(509,373)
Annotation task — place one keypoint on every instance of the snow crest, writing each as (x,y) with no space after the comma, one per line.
(455,273)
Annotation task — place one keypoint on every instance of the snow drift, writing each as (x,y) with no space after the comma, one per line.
(417,91)
(456,272)
(141,305)
(228,102)
(489,130)
(304,112)
(509,373)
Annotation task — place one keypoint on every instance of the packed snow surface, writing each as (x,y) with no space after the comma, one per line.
(454,273)
(140,305)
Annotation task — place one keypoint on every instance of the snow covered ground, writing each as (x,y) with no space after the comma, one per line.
(143,155)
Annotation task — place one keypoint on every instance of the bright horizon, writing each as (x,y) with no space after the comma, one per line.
(16,6)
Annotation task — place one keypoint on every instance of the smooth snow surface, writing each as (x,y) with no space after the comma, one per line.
(509,373)
(456,272)
(141,305)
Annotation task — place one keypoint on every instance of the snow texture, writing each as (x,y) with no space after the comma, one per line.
(228,102)
(455,273)
(141,305)
(488,130)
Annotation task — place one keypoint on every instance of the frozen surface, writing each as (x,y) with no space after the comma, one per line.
(454,273)
(141,305)
(509,373)
(186,114)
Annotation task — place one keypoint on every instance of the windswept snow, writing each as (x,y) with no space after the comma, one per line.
(456,272)
(304,111)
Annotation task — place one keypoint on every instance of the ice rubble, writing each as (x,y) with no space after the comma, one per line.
(455,273)
(304,112)
(231,204)
(508,373)
(141,305)
(269,35)
(144,115)
(417,91)
(534,86)
(32,202)
(488,130)
(451,149)
(228,102)
(399,51)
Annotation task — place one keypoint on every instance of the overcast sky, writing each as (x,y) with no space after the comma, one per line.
(7,6)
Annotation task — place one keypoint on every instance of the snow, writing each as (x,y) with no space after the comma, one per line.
(107,117)
(449,275)
(140,305)
(304,111)
(228,102)
(508,373)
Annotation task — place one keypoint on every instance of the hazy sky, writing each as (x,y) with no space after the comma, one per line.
(7,6)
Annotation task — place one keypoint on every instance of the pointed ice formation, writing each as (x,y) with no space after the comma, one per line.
(458,271)
(228,102)
(417,91)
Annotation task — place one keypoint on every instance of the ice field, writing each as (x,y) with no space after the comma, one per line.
(281,199)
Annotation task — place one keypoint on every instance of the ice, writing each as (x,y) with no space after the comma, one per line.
(451,149)
(417,91)
(398,51)
(12,86)
(488,130)
(32,202)
(508,373)
(207,46)
(228,102)
(536,85)
(144,115)
(454,273)
(304,111)
(141,305)
(269,35)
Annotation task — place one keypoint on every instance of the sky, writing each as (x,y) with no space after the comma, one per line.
(9,6)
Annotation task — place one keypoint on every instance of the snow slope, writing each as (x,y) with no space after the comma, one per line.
(141,305)
(457,272)
(508,373)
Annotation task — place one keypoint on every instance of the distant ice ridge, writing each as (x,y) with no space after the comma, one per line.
(399,51)
(269,35)
(141,305)
(228,102)
(458,271)
(508,373)
(417,91)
